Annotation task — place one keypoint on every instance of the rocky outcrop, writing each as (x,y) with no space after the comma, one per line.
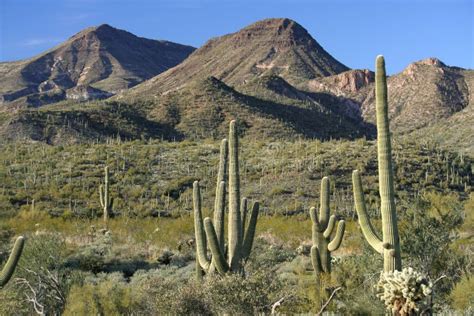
(344,83)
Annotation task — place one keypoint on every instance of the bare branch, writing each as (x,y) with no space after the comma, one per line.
(328,301)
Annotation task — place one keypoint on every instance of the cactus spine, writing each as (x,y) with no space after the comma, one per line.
(12,262)
(105,202)
(389,245)
(322,230)
(240,233)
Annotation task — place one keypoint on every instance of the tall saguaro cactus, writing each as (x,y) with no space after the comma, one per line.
(12,262)
(322,230)
(105,202)
(240,233)
(389,245)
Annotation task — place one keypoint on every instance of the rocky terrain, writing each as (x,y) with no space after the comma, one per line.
(272,75)
(96,63)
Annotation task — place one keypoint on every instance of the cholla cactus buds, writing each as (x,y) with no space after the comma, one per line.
(405,292)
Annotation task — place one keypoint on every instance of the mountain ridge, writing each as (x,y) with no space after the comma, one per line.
(97,62)
(272,75)
(271,46)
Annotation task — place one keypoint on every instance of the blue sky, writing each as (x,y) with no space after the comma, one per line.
(354,32)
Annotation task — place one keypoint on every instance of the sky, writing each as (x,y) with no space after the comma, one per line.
(354,32)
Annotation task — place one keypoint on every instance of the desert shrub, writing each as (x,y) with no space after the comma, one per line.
(268,254)
(462,296)
(94,255)
(254,294)
(428,239)
(357,275)
(107,295)
(42,281)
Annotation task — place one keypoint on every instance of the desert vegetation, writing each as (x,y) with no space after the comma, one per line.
(125,228)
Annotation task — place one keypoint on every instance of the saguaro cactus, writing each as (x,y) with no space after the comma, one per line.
(322,230)
(240,233)
(389,245)
(105,202)
(12,261)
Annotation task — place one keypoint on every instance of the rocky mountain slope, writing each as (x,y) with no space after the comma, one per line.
(456,132)
(424,93)
(250,75)
(273,46)
(272,76)
(93,64)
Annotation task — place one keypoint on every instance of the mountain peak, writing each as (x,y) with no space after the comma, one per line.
(105,26)
(274,23)
(279,46)
(96,29)
(431,61)
(282,30)
(97,62)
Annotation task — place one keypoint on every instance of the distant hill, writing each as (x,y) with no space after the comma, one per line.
(93,64)
(424,93)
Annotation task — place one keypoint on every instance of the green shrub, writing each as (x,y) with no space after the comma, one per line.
(462,296)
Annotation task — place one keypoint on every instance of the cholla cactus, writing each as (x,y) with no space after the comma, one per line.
(405,292)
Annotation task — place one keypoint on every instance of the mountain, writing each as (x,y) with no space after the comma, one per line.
(273,46)
(271,75)
(455,132)
(93,64)
(424,93)
(251,75)
(204,107)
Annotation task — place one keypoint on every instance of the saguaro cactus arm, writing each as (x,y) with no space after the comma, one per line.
(10,266)
(201,243)
(217,255)
(243,213)
(316,260)
(250,233)
(314,219)
(336,242)
(364,220)
(328,231)
(219,204)
(324,203)
(219,214)
(101,195)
